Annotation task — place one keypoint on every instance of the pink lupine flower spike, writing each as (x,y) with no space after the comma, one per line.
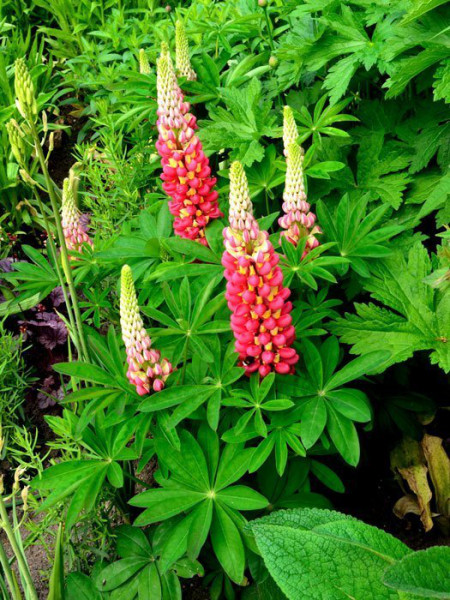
(298,221)
(261,319)
(74,223)
(146,370)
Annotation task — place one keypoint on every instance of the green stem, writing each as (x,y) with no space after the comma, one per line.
(9,575)
(269,29)
(267,201)
(23,567)
(183,372)
(64,255)
(51,245)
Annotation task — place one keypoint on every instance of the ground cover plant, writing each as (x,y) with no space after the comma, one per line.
(225,306)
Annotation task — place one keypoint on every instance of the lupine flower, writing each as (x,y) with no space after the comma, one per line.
(186,171)
(298,221)
(261,319)
(182,59)
(24,88)
(144,66)
(146,370)
(73,221)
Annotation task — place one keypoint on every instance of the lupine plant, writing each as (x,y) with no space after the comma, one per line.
(223,352)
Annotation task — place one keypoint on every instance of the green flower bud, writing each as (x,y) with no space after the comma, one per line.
(16,140)
(183,62)
(273,62)
(144,66)
(24,88)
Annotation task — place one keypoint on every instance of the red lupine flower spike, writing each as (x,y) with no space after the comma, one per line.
(260,320)
(186,171)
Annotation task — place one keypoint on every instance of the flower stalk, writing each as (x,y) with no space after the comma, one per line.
(146,370)
(26,104)
(186,172)
(298,221)
(261,319)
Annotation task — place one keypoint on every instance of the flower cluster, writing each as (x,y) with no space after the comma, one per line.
(146,370)
(261,319)
(298,221)
(74,223)
(186,171)
(24,88)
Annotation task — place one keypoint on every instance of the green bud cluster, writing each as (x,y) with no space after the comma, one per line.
(16,140)
(26,101)
(144,66)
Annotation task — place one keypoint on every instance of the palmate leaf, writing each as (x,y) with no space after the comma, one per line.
(241,125)
(327,406)
(200,490)
(416,316)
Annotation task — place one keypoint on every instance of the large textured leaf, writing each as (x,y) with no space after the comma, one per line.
(425,574)
(317,554)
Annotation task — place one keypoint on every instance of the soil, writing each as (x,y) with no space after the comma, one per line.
(372,489)
(61,159)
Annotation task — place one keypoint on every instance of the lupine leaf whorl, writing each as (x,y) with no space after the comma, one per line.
(16,140)
(183,62)
(290,131)
(24,88)
(144,66)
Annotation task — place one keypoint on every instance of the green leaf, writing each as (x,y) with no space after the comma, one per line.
(80,587)
(353,404)
(313,415)
(415,316)
(84,371)
(363,365)
(425,574)
(172,396)
(313,553)
(56,583)
(227,544)
(344,436)
(164,504)
(120,571)
(242,497)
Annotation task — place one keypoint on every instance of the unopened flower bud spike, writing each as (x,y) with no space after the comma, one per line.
(297,221)
(24,89)
(183,62)
(146,370)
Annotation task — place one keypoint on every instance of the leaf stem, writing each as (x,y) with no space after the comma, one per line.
(23,567)
(9,575)
(64,254)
